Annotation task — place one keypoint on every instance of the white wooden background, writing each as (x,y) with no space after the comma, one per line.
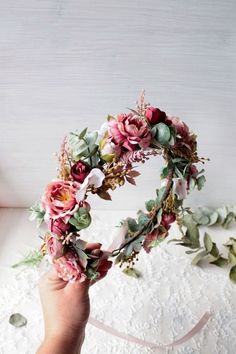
(66,64)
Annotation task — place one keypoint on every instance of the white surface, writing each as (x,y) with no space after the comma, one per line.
(66,64)
(160,307)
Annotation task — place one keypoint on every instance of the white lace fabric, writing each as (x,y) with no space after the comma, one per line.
(160,307)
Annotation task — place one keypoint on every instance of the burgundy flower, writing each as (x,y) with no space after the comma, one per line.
(154,115)
(58,226)
(168,219)
(79,171)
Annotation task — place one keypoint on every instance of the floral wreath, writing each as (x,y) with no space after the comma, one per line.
(98,162)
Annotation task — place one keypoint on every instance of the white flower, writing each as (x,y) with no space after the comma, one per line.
(180,188)
(95,178)
(101,132)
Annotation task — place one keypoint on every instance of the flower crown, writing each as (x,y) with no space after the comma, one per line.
(98,162)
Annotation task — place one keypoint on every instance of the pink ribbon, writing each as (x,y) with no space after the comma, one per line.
(108,329)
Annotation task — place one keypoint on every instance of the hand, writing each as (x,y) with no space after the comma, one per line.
(66,309)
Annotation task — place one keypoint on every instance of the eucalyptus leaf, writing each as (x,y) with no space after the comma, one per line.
(132,225)
(163,133)
(200,182)
(150,204)
(221,262)
(17,320)
(132,272)
(208,242)
(199,257)
(232,274)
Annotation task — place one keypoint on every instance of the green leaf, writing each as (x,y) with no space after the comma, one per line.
(192,234)
(132,225)
(17,320)
(132,272)
(200,182)
(208,242)
(214,251)
(232,274)
(164,172)
(221,262)
(199,257)
(33,258)
(160,192)
(150,204)
(83,133)
(232,258)
(81,219)
(163,133)
(143,219)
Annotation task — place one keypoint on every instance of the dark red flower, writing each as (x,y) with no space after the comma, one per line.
(79,171)
(155,115)
(167,219)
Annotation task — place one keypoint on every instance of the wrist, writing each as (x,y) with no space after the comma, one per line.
(62,343)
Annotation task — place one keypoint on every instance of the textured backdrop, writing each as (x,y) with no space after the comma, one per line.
(66,64)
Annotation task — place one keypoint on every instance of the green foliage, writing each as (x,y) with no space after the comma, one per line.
(33,258)
(223,216)
(85,147)
(162,133)
(81,219)
(17,320)
(37,213)
(132,272)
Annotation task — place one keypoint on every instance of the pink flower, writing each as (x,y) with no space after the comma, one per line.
(181,128)
(68,267)
(54,247)
(130,131)
(79,171)
(168,219)
(58,226)
(59,200)
(155,115)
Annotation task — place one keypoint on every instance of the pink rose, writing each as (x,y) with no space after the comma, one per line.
(79,171)
(155,115)
(168,219)
(130,131)
(55,248)
(59,199)
(58,226)
(68,267)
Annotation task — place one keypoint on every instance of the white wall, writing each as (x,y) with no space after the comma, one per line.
(66,64)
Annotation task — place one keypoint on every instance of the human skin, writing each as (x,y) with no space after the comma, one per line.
(66,309)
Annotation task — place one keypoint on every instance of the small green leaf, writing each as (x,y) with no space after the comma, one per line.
(132,225)
(232,258)
(208,242)
(132,272)
(150,204)
(199,257)
(214,251)
(17,320)
(200,182)
(164,172)
(220,262)
(83,133)
(232,274)
(163,133)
